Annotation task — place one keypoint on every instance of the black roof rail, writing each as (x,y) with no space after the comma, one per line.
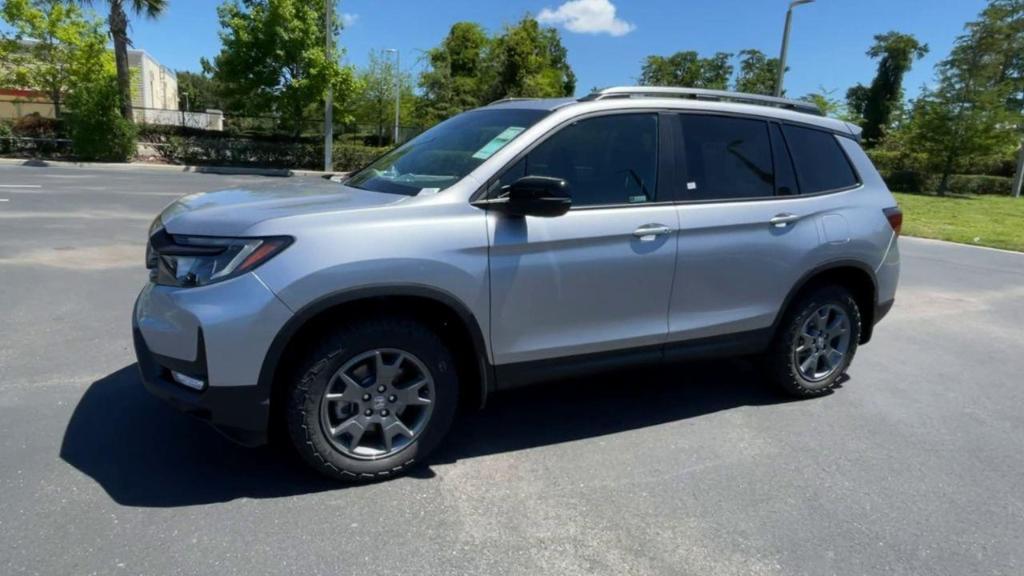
(703,94)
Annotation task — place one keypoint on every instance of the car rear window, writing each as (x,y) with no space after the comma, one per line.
(821,164)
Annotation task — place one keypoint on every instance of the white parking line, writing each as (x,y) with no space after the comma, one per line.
(5,199)
(20,186)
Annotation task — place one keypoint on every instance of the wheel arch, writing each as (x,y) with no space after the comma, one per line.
(440,309)
(854,275)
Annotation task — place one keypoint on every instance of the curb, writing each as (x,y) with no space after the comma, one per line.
(225,170)
(965,245)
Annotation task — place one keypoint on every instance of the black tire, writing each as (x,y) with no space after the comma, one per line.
(780,360)
(333,352)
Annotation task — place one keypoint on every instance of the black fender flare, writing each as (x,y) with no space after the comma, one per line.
(272,359)
(808,276)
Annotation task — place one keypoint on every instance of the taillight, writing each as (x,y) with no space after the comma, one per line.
(895,217)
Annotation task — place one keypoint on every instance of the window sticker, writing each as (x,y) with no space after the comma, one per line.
(498,142)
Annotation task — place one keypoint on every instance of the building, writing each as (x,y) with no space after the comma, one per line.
(154,90)
(153,84)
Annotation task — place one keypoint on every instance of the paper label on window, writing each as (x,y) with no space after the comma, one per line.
(691,185)
(429,191)
(498,142)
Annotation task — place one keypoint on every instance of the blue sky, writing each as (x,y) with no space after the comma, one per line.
(827,45)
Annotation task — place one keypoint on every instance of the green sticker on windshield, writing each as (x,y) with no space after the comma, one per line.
(498,142)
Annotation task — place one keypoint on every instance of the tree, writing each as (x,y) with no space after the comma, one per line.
(457,76)
(470,69)
(197,91)
(273,59)
(98,130)
(54,45)
(376,101)
(758,73)
(118,22)
(966,118)
(823,99)
(530,62)
(687,69)
(1002,21)
(896,53)
(856,101)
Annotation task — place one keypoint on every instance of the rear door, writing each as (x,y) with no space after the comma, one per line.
(747,234)
(599,277)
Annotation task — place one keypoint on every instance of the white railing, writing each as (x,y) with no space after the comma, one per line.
(209,120)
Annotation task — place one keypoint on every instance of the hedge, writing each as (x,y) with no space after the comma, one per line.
(921,182)
(225,151)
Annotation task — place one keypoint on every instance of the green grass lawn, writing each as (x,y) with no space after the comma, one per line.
(996,221)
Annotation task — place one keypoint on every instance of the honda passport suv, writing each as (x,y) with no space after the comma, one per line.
(525,241)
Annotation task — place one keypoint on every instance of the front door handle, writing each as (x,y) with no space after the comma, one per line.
(648,232)
(783,220)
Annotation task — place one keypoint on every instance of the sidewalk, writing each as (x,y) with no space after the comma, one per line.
(233,170)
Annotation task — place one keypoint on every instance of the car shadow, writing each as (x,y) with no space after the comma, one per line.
(144,453)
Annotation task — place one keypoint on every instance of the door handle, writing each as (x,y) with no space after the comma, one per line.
(648,232)
(783,220)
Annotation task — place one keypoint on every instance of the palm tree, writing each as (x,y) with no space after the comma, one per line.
(118,21)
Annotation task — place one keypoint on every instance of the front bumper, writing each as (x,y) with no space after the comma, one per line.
(239,412)
(219,334)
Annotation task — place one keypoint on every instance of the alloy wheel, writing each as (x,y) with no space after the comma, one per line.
(822,343)
(377,403)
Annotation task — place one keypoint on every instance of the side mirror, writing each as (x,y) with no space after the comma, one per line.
(531,196)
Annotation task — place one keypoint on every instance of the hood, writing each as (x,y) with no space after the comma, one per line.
(231,212)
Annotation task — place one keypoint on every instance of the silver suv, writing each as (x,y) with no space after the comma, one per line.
(525,241)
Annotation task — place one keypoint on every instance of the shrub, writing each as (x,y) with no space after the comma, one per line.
(36,126)
(909,181)
(916,182)
(98,131)
(974,184)
(227,151)
(6,145)
(348,158)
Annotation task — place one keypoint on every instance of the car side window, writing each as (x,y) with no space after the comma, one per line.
(727,158)
(821,164)
(606,160)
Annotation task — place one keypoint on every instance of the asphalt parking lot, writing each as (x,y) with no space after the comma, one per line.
(914,466)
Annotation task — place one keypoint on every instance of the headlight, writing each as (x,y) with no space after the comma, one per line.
(201,260)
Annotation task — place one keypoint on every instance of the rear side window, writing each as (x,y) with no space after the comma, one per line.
(820,162)
(727,158)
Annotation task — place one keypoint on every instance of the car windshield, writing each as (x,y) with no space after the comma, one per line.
(443,155)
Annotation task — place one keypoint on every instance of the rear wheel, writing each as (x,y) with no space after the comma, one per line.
(373,399)
(816,342)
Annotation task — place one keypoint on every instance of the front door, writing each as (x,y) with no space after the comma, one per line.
(599,277)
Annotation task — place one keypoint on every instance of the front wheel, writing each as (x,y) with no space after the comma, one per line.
(816,342)
(373,399)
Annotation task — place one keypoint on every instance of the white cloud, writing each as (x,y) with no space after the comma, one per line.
(587,17)
(348,19)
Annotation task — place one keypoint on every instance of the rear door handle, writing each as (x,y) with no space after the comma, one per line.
(783,220)
(648,232)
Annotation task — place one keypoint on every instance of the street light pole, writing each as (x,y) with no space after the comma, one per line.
(785,45)
(398,90)
(329,99)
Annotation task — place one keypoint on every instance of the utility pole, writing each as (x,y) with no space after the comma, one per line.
(329,99)
(398,90)
(1018,178)
(785,45)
